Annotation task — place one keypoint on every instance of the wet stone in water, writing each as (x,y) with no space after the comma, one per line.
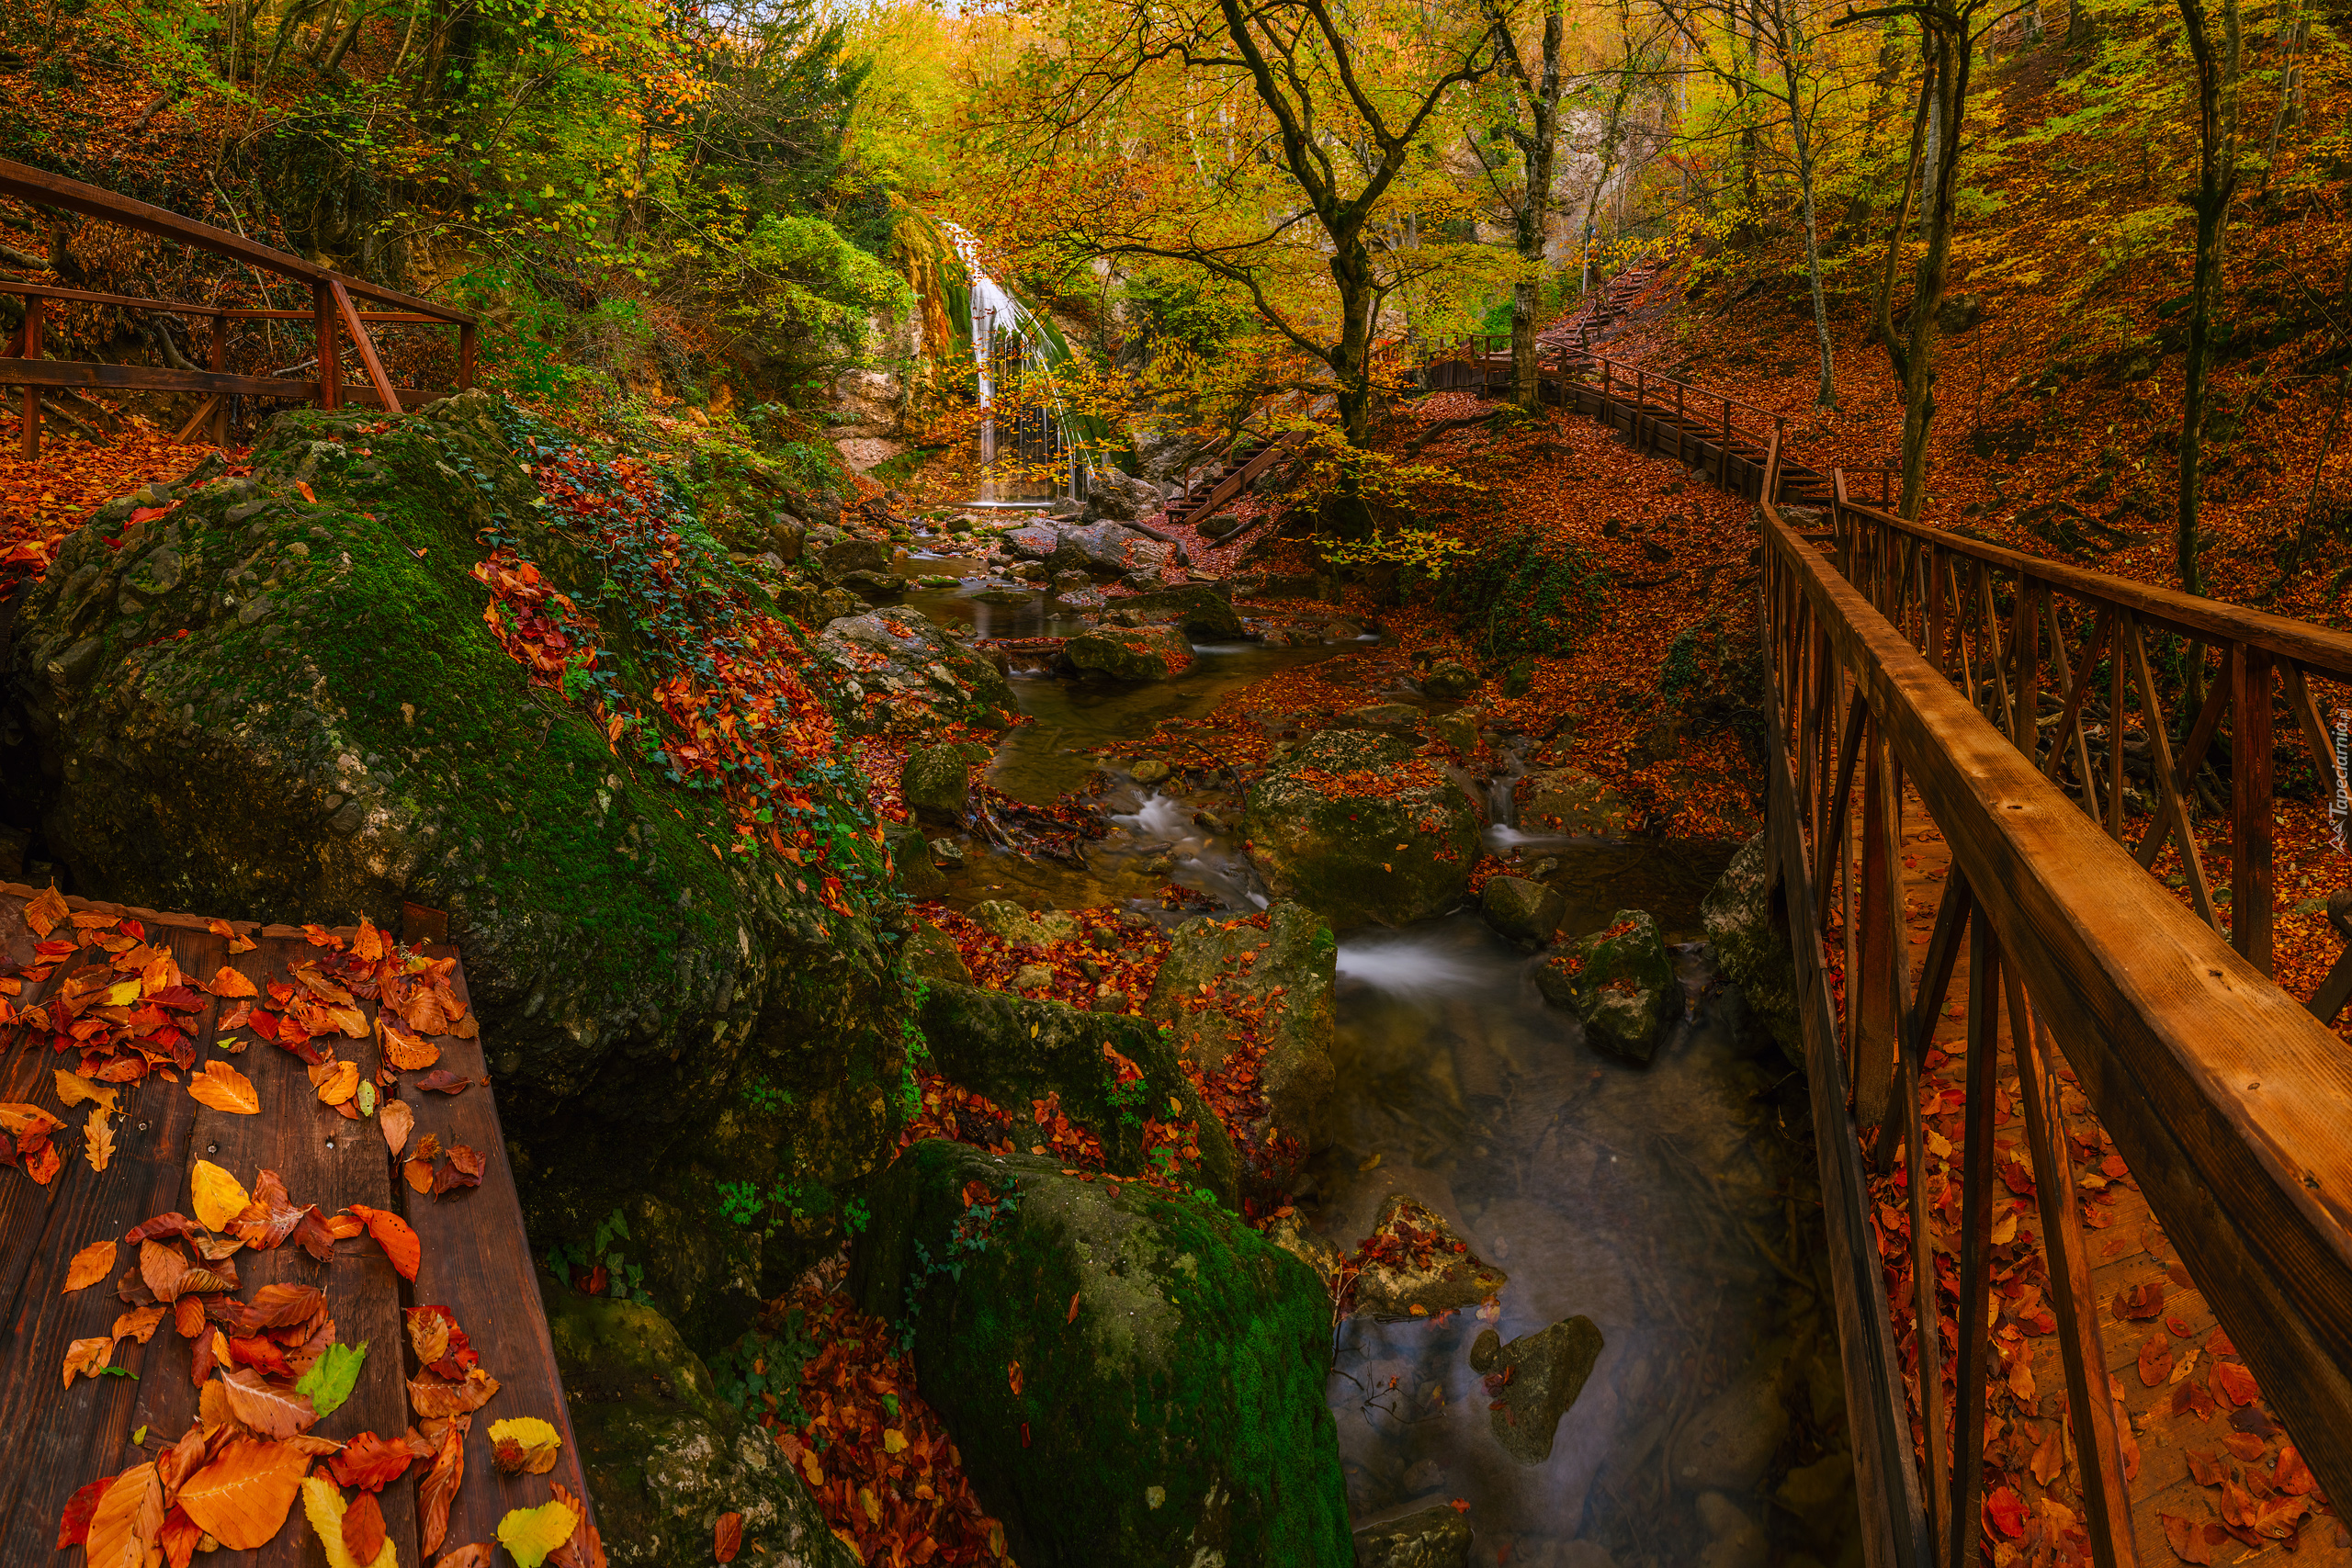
(1414,1266)
(1433,1538)
(1533,1380)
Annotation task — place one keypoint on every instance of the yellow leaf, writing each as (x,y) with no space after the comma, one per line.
(90,1265)
(893,1442)
(76,1090)
(2004,1230)
(223,1088)
(529,1534)
(98,1138)
(323,1505)
(524,1445)
(217,1195)
(120,995)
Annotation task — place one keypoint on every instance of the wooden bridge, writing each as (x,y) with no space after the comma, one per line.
(1958,732)
(148,997)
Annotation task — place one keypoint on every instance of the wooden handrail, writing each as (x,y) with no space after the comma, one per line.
(2225,1098)
(42,189)
(2316,648)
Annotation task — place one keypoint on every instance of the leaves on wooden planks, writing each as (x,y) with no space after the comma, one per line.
(271,1412)
(404,1050)
(477,1556)
(442,1081)
(242,1496)
(461,1167)
(395,1118)
(74,1089)
(89,1357)
(332,1376)
(89,1266)
(439,1487)
(2155,1360)
(98,1138)
(393,1234)
(126,1521)
(586,1546)
(223,1088)
(73,1525)
(436,1397)
(337,1081)
(524,1445)
(2234,1384)
(139,1324)
(530,1534)
(370,1463)
(324,1507)
(228,982)
(217,1197)
(363,1529)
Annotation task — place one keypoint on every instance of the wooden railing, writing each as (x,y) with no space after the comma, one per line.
(333,313)
(2228,1101)
(2055,656)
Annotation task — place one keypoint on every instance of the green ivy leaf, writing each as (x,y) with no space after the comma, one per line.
(333,1376)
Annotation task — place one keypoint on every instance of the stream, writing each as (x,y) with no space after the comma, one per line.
(1675,1205)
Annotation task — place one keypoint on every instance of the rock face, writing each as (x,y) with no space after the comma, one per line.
(1177,1417)
(1131,653)
(280,701)
(1751,942)
(1533,1381)
(1279,966)
(1620,984)
(664,1455)
(1354,825)
(1016,1050)
(1564,800)
(1522,910)
(906,673)
(1035,542)
(1108,550)
(1436,1537)
(936,783)
(1122,497)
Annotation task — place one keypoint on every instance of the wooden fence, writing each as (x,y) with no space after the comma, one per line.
(333,315)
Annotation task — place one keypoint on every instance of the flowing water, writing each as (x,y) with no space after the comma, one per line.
(1672,1204)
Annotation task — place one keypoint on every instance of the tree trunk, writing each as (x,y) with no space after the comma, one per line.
(1882,308)
(1949,57)
(2216,183)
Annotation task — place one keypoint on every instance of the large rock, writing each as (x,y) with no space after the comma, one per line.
(1164,454)
(1203,609)
(1533,1381)
(1450,680)
(1122,497)
(1568,800)
(1620,982)
(1522,910)
(1355,826)
(1131,653)
(1412,1264)
(280,701)
(1751,942)
(853,554)
(905,675)
(1036,541)
(1134,1379)
(936,783)
(1110,549)
(664,1456)
(1017,1050)
(1255,994)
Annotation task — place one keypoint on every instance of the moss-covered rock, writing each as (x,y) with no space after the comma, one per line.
(1016,1050)
(1355,826)
(1203,609)
(1568,800)
(1621,984)
(904,674)
(1521,910)
(1174,1414)
(1751,942)
(280,701)
(1236,986)
(1131,653)
(936,783)
(663,1455)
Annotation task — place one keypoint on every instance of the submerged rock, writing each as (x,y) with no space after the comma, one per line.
(1355,826)
(1621,984)
(1533,1381)
(1568,800)
(1436,1537)
(1131,653)
(1414,1266)
(1522,910)
(1259,987)
(1751,942)
(1134,1379)
(314,723)
(663,1455)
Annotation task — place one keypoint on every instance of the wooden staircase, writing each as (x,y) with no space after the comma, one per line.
(1203,496)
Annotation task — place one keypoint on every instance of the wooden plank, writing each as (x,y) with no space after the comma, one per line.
(478,1261)
(84,297)
(386,398)
(42,189)
(2223,1096)
(1977,1157)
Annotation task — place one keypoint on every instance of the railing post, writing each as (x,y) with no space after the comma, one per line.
(1723,464)
(29,438)
(330,355)
(2250,805)
(219,364)
(1880,950)
(1641,401)
(465,356)
(1677,423)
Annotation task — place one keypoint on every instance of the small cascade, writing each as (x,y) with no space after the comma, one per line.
(1011,346)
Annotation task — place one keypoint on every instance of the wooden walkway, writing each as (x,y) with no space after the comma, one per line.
(473,1256)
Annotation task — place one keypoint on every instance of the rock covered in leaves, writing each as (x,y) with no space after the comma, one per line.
(664,1455)
(1131,653)
(905,673)
(1134,1379)
(1249,1003)
(1114,1075)
(1751,944)
(315,693)
(1533,1381)
(1621,984)
(1356,826)
(1568,800)
(1413,1265)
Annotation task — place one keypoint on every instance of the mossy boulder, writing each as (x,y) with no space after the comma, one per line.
(1203,609)
(1130,653)
(1750,938)
(1259,986)
(663,1455)
(1620,982)
(1359,827)
(1521,910)
(1535,1379)
(1168,1405)
(904,675)
(1016,1050)
(279,701)
(936,783)
(1568,800)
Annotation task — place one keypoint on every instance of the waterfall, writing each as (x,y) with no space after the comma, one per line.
(996,310)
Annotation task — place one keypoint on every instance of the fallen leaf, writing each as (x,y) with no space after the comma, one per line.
(217,1197)
(74,1089)
(1072,1317)
(439,1487)
(2049,1454)
(330,1378)
(337,1080)
(363,1529)
(1012,1375)
(442,1080)
(370,1463)
(270,1412)
(477,1556)
(73,1527)
(89,1266)
(432,1397)
(2155,1360)
(461,1167)
(89,1357)
(2141,1300)
(403,1050)
(2006,1511)
(727,1537)
(393,1235)
(529,1534)
(139,1324)
(228,982)
(524,1445)
(586,1548)
(395,1118)
(242,1496)
(98,1138)
(223,1088)
(2186,1539)
(324,1507)
(129,1519)
(2234,1383)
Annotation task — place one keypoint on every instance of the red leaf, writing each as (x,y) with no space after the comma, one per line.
(363,1527)
(727,1540)
(2006,1511)
(2156,1360)
(2186,1538)
(2142,1302)
(2234,1384)
(1073,1308)
(370,1463)
(73,1528)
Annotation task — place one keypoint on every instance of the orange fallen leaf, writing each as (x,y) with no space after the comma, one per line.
(129,1520)
(98,1138)
(396,1119)
(89,1266)
(46,910)
(223,1088)
(403,1050)
(140,1322)
(89,1357)
(727,1537)
(2234,1383)
(242,1498)
(363,1527)
(439,1487)
(271,1412)
(1073,1308)
(337,1080)
(393,1235)
(229,982)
